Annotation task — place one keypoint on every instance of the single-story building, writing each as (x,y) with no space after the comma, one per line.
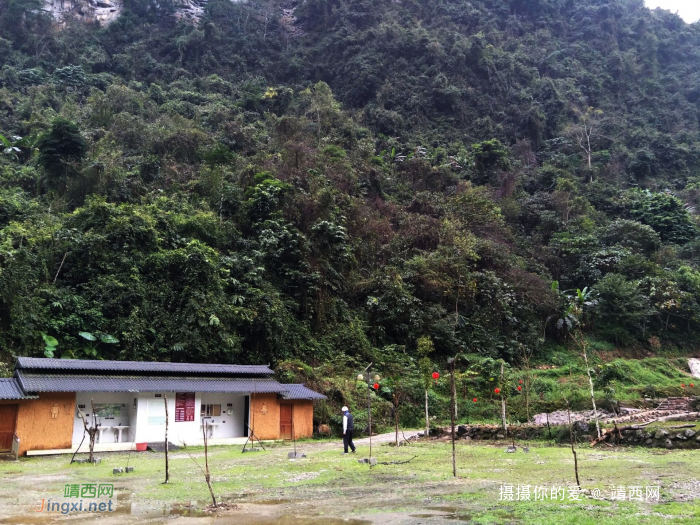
(40,405)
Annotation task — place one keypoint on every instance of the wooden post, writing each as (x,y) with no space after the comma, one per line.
(454,396)
(396,421)
(452,416)
(397,399)
(368,371)
(427,417)
(167,465)
(369,415)
(503,401)
(294,436)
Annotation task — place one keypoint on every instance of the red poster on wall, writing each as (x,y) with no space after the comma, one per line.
(189,406)
(184,406)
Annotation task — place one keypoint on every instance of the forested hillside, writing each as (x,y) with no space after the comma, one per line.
(333,180)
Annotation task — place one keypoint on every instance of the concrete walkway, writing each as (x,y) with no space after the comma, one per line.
(386,438)
(337,441)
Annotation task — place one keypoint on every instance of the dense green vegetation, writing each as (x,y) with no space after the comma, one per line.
(331,191)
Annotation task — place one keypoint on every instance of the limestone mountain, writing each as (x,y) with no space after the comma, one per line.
(332,182)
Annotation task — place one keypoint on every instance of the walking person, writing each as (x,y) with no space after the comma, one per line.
(348,427)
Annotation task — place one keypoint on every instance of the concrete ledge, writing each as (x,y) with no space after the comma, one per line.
(125,447)
(105,447)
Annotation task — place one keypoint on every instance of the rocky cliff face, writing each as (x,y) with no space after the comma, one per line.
(105,11)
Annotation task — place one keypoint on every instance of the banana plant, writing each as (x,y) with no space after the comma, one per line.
(577,303)
(10,148)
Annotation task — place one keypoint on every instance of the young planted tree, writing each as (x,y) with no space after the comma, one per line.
(578,303)
(571,323)
(207,475)
(90,430)
(494,375)
(396,400)
(425,348)
(580,341)
(571,439)
(205,470)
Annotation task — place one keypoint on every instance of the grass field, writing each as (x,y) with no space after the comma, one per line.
(327,487)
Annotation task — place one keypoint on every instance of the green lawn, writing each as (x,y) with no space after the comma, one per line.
(338,486)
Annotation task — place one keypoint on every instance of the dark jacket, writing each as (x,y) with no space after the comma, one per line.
(351,423)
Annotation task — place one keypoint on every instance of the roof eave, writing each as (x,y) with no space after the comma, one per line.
(144,367)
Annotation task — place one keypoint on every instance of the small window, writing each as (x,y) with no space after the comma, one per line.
(156,412)
(211,410)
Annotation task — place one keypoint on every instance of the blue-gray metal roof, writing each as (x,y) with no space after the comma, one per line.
(300,392)
(43,382)
(9,389)
(156,367)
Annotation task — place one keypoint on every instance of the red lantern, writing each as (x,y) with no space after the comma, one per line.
(520,388)
(376,386)
(436,376)
(497,390)
(474,400)
(521,381)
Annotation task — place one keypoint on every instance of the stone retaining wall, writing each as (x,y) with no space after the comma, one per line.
(659,437)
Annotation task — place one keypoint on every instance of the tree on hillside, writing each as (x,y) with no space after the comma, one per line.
(665,213)
(489,156)
(584,132)
(61,148)
(621,307)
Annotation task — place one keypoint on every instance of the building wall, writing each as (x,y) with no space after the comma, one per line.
(37,429)
(267,426)
(144,413)
(229,425)
(150,408)
(265,416)
(84,400)
(303,415)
